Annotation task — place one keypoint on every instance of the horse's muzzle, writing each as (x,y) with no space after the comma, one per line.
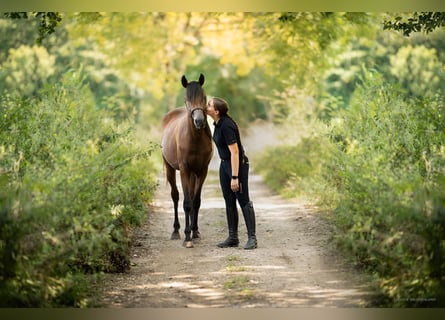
(199,118)
(199,123)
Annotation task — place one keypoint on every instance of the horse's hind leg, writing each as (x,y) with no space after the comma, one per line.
(171,178)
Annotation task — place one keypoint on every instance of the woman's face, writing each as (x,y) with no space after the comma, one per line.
(211,110)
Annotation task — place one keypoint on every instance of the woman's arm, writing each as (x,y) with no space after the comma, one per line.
(234,160)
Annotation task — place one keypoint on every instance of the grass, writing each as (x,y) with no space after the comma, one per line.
(232,264)
(238,285)
(233,268)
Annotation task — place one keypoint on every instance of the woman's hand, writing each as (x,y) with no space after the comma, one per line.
(234,185)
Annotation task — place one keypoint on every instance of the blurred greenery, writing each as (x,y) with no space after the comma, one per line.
(82,95)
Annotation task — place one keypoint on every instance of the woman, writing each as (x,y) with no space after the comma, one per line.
(233,173)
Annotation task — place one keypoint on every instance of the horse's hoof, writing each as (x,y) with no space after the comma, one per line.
(196,235)
(175,236)
(188,244)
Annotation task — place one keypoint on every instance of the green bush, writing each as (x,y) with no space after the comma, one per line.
(388,171)
(379,171)
(73,184)
(294,166)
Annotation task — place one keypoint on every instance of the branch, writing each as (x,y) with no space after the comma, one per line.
(418,22)
(47,25)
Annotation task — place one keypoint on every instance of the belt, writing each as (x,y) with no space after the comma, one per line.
(243,159)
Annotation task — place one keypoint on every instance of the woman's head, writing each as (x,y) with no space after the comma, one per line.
(217,107)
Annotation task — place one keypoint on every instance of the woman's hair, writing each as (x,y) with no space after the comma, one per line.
(221,105)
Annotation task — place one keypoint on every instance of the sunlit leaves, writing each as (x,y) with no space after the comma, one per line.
(418,70)
(26,70)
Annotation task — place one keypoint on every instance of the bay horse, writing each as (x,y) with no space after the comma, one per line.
(187,147)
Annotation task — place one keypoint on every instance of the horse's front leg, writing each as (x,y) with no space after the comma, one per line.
(186,180)
(188,209)
(196,207)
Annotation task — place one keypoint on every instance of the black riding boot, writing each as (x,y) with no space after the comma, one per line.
(232,222)
(249,218)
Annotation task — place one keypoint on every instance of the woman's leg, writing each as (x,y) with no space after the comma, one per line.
(231,210)
(249,218)
(247,205)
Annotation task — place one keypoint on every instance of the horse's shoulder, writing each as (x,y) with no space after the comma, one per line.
(172,115)
(179,110)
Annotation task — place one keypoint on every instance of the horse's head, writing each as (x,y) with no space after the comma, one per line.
(195,101)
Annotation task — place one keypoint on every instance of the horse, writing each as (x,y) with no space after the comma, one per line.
(187,147)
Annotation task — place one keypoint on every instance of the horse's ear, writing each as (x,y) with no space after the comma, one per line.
(201,79)
(184,81)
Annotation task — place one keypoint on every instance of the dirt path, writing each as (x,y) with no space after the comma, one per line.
(294,265)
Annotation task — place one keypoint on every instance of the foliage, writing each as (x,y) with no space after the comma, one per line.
(300,151)
(73,184)
(174,44)
(244,101)
(26,70)
(418,70)
(15,33)
(388,171)
(341,79)
(380,171)
(416,22)
(294,166)
(73,176)
(48,21)
(414,63)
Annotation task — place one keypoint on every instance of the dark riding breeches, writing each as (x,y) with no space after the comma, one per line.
(225,178)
